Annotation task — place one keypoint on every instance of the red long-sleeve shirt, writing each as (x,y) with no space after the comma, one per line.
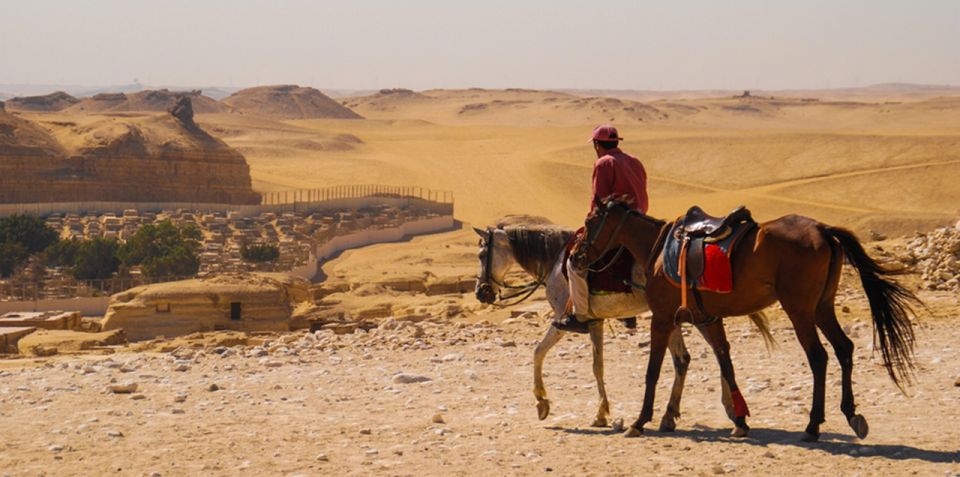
(619,173)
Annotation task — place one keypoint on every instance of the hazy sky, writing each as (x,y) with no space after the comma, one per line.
(359,44)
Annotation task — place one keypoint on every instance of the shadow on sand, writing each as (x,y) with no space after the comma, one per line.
(836,444)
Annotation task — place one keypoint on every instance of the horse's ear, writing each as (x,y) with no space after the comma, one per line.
(482,233)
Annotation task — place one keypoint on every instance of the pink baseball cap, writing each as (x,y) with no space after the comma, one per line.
(605,132)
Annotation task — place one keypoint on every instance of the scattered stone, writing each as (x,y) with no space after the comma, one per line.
(957,383)
(437,419)
(213,387)
(113,433)
(55,448)
(365,431)
(617,425)
(180,398)
(718,470)
(138,397)
(177,410)
(322,458)
(404,378)
(128,387)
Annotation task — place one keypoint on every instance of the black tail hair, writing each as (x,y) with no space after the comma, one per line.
(890,305)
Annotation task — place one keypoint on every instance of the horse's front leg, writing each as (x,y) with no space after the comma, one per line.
(660,329)
(717,338)
(539,391)
(681,361)
(596,338)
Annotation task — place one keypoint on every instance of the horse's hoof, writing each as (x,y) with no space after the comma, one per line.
(599,422)
(543,409)
(808,437)
(633,432)
(667,424)
(860,426)
(739,432)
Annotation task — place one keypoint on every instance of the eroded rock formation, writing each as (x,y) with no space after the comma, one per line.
(146,158)
(242,302)
(49,102)
(288,102)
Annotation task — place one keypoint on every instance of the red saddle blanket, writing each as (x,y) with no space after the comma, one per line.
(613,279)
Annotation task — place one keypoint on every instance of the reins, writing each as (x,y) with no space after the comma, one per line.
(526,290)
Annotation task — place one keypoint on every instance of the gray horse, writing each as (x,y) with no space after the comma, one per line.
(538,250)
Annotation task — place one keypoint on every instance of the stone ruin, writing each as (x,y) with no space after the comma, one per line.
(936,257)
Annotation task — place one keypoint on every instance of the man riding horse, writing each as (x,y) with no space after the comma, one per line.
(614,173)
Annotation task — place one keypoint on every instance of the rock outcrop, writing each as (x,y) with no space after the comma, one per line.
(241,302)
(50,102)
(288,102)
(134,158)
(936,256)
(149,100)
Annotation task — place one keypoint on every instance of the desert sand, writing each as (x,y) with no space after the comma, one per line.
(332,405)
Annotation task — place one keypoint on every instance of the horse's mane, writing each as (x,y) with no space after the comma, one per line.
(536,247)
(626,202)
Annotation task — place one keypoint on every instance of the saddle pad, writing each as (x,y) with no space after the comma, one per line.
(717,274)
(612,280)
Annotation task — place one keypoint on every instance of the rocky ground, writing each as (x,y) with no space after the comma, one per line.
(454,398)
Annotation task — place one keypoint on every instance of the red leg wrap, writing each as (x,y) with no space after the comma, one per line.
(739,405)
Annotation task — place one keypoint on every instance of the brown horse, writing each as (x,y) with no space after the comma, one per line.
(794,260)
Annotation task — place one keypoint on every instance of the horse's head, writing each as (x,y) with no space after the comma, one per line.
(495,261)
(600,230)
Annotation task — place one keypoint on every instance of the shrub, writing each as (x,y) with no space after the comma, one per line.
(260,252)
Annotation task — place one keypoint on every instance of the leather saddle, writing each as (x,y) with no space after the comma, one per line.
(697,228)
(692,232)
(697,223)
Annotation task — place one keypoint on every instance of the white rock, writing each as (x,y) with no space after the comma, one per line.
(322,458)
(404,378)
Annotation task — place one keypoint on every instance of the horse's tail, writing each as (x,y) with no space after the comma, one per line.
(759,320)
(889,304)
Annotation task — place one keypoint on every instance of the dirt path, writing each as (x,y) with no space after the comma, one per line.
(325,405)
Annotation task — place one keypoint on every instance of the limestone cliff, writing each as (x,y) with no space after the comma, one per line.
(242,302)
(129,158)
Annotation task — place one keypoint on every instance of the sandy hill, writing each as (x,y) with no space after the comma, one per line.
(49,102)
(516,107)
(288,102)
(149,100)
(877,165)
(134,157)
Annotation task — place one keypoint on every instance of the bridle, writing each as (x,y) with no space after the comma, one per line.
(592,237)
(604,209)
(487,277)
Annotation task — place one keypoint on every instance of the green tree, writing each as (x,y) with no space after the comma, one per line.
(96,258)
(260,252)
(62,253)
(20,237)
(28,230)
(12,256)
(163,250)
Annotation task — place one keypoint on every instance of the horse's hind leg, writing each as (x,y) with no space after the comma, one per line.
(804,327)
(843,348)
(717,337)
(681,361)
(596,338)
(539,391)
